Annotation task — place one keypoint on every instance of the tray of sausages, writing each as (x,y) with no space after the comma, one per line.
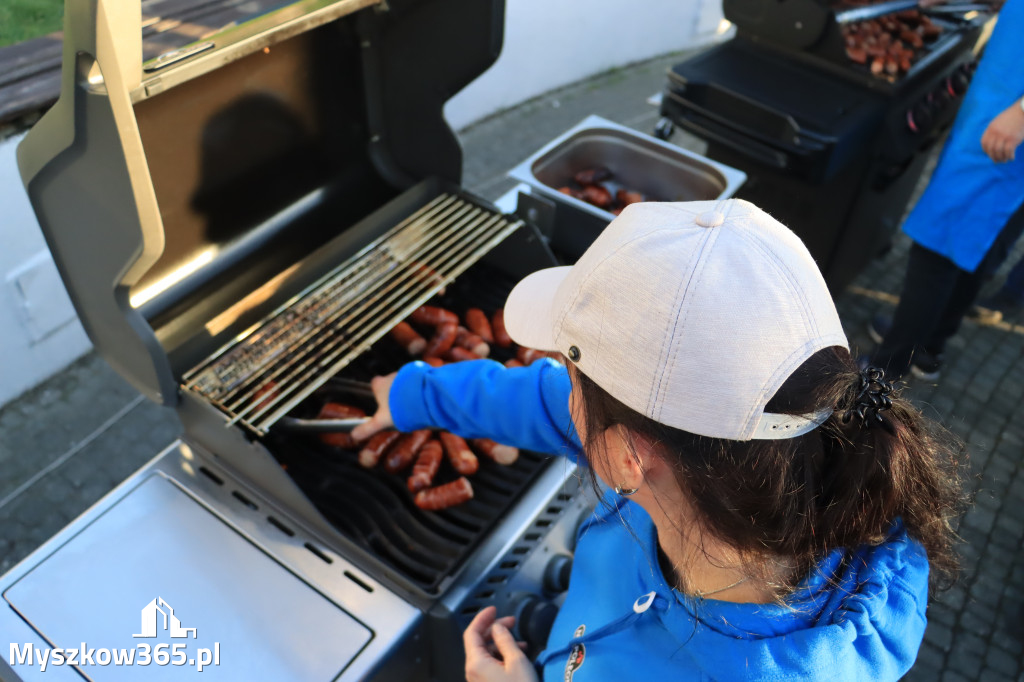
(888,46)
(438,337)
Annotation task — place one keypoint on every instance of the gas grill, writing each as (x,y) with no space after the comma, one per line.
(829,148)
(239,223)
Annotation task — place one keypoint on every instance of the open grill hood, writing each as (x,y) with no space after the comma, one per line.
(187,198)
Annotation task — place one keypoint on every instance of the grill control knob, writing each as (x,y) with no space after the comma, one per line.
(534,618)
(957,84)
(556,573)
(919,118)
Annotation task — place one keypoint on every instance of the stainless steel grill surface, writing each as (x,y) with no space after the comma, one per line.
(268,370)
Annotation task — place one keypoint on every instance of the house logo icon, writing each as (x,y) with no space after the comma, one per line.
(151,622)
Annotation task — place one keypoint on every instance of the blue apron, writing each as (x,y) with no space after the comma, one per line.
(970,198)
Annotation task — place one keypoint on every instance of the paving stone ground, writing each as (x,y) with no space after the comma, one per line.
(66,443)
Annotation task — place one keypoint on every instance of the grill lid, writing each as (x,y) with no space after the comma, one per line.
(186,198)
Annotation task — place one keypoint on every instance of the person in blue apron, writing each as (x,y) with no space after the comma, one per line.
(767,510)
(968,217)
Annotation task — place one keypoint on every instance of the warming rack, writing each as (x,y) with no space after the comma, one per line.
(270,368)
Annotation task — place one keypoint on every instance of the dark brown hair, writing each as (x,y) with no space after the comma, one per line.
(840,486)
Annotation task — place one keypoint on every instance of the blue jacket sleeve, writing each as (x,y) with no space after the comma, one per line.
(527,407)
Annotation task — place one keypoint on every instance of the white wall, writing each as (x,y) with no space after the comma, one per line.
(39,333)
(551,43)
(548,44)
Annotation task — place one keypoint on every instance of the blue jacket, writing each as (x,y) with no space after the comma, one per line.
(970,197)
(621,620)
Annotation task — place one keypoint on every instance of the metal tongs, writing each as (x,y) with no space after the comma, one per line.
(348,386)
(880,9)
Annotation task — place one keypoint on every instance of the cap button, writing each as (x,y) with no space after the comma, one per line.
(710,219)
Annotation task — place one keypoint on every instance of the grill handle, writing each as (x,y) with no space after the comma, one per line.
(874,11)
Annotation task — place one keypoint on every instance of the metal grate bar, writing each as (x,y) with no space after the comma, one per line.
(271,367)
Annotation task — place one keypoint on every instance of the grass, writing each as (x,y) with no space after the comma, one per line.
(24,19)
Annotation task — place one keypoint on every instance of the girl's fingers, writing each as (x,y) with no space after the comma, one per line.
(508,647)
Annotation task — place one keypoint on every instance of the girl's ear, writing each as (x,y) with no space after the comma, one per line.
(629,454)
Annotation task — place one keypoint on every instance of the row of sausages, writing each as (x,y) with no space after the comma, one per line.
(437,336)
(890,43)
(449,341)
(423,450)
(593,192)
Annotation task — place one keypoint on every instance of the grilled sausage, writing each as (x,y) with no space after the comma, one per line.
(565,190)
(459,454)
(404,451)
(513,362)
(472,342)
(590,176)
(502,454)
(878,66)
(341,439)
(408,338)
(478,323)
(529,355)
(857,54)
(625,197)
(427,464)
(444,496)
(460,354)
(434,362)
(376,447)
(596,195)
(265,396)
(442,340)
(433,316)
(501,336)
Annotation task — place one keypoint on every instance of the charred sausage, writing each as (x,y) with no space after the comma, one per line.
(472,342)
(339,411)
(596,195)
(443,340)
(501,336)
(404,451)
(408,338)
(459,454)
(444,496)
(857,54)
(589,176)
(502,454)
(478,323)
(528,355)
(427,464)
(376,447)
(460,354)
(433,316)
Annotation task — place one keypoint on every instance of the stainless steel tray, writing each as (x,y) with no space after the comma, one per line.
(660,171)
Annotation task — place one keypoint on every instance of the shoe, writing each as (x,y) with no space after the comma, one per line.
(925,365)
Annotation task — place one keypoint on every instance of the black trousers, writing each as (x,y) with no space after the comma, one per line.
(936,296)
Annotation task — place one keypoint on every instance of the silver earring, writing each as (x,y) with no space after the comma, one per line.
(625,492)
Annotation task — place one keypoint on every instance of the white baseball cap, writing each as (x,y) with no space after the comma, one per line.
(692,313)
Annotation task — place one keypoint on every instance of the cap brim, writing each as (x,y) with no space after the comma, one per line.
(530,309)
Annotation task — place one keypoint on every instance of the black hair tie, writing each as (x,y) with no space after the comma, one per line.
(872,398)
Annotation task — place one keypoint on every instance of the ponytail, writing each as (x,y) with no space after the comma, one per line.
(840,486)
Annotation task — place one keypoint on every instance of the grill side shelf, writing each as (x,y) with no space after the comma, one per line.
(263,373)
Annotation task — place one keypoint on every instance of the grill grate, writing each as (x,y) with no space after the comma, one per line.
(373,508)
(263,374)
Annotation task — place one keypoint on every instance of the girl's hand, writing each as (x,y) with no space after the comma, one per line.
(381,419)
(1004,134)
(482,665)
